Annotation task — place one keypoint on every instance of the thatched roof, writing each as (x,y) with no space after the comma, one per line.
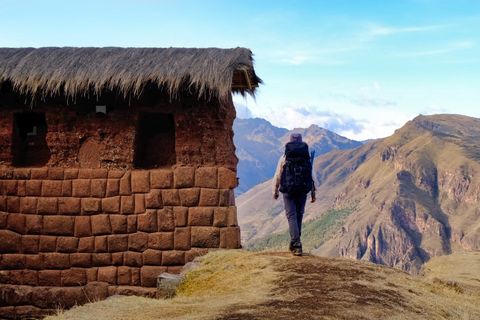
(209,72)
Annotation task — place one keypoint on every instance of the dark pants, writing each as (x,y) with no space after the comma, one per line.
(294,208)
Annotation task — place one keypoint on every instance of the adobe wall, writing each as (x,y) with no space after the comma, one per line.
(70,235)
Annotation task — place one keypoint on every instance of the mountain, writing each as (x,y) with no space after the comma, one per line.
(409,197)
(260,144)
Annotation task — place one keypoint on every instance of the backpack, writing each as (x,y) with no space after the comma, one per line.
(296,176)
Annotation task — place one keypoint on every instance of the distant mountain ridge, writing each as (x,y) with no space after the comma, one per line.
(412,196)
(260,144)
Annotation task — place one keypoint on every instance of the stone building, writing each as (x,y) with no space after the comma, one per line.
(116,164)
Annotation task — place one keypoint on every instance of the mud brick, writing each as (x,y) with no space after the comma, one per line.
(131,224)
(70,174)
(21,188)
(86,244)
(47,244)
(206,177)
(101,259)
(6,173)
(51,188)
(148,221)
(99,173)
(227,179)
(111,205)
(232,216)
(33,224)
(82,260)
(125,185)
(149,275)
(47,205)
(135,276)
(82,226)
(160,240)
(140,181)
(3,200)
(173,258)
(53,260)
(118,243)
(224,197)
(13,204)
(184,177)
(30,244)
(26,277)
(182,238)
(58,225)
(12,261)
(124,276)
(67,244)
(117,258)
(21,173)
(67,188)
(101,224)
(208,197)
(74,277)
(161,179)
(85,173)
(220,217)
(28,205)
(101,244)
(10,187)
(81,188)
(133,259)
(34,261)
(205,237)
(55,174)
(107,274)
(200,216)
(139,203)
(189,197)
(127,205)
(16,222)
(115,174)
(152,257)
(50,278)
(33,187)
(181,216)
(69,206)
(170,197)
(90,205)
(3,220)
(191,254)
(153,200)
(92,274)
(230,238)
(137,241)
(118,223)
(98,188)
(113,188)
(166,219)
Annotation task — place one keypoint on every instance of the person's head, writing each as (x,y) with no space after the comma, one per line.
(295,137)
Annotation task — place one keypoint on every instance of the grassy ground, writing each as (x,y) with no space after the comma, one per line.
(314,233)
(274,285)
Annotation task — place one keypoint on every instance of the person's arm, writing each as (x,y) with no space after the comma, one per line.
(313,193)
(277,176)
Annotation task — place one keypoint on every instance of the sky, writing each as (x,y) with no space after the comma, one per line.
(359,68)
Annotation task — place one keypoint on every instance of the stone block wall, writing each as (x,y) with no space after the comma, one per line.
(70,235)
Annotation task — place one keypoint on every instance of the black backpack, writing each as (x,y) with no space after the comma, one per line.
(296,176)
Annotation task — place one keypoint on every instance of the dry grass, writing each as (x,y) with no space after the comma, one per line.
(79,71)
(272,285)
(225,279)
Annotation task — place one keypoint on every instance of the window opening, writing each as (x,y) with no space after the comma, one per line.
(29,147)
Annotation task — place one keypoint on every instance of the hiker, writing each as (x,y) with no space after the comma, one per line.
(293,178)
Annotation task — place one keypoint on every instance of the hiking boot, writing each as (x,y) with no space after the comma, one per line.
(297,251)
(291,248)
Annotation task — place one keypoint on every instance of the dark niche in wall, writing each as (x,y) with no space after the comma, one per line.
(29,147)
(155,141)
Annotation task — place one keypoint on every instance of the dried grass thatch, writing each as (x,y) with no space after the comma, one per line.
(209,72)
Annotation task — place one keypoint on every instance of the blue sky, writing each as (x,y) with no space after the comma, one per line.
(360,68)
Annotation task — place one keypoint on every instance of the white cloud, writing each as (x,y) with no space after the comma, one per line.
(382,30)
(451,47)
